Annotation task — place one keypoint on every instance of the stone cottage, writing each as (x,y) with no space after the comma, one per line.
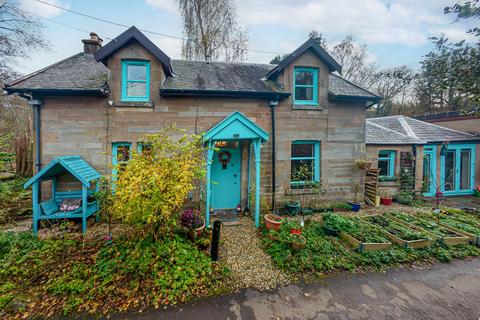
(266,120)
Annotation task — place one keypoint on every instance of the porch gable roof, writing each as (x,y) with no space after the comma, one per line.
(236,126)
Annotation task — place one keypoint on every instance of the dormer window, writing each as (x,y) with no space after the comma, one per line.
(135,80)
(305,86)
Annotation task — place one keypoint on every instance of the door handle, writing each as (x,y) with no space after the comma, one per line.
(235,175)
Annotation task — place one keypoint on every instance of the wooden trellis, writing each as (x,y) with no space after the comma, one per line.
(371,185)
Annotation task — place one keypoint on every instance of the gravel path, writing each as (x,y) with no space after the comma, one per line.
(250,265)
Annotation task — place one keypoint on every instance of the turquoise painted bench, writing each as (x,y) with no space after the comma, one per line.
(79,169)
(92,207)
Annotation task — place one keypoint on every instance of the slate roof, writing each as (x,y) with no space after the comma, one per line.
(341,87)
(79,72)
(405,130)
(201,75)
(82,74)
(316,49)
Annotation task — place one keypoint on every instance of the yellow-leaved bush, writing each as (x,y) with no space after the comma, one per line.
(152,187)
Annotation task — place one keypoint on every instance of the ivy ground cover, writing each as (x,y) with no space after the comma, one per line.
(43,278)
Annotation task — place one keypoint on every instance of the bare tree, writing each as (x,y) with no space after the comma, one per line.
(353,59)
(212,31)
(19,34)
(394,86)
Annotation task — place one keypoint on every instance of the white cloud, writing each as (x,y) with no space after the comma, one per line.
(169,6)
(405,22)
(43,9)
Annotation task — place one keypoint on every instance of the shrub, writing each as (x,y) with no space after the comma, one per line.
(153,186)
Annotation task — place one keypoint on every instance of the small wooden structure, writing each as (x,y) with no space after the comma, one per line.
(79,169)
(371,185)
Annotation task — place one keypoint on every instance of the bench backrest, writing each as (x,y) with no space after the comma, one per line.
(74,194)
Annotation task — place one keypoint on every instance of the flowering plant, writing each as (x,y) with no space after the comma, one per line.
(476,192)
(296,231)
(191,219)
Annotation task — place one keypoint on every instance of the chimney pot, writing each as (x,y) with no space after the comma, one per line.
(93,44)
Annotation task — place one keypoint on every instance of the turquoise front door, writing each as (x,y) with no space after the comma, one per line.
(225,177)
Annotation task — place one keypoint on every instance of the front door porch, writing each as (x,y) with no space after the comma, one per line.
(223,189)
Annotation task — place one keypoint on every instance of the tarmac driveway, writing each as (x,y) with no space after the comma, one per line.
(443,291)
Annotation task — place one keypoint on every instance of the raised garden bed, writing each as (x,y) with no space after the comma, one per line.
(428,224)
(399,233)
(359,234)
(463,224)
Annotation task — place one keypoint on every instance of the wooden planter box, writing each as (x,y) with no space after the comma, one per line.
(473,239)
(414,244)
(364,246)
(459,239)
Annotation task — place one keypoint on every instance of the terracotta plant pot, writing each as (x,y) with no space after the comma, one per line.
(199,230)
(272,221)
(386,201)
(196,232)
(298,241)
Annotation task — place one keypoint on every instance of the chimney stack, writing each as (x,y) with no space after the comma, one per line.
(93,44)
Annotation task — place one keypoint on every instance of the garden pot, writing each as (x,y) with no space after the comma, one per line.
(404,200)
(386,201)
(272,221)
(196,232)
(292,208)
(355,206)
(298,242)
(199,230)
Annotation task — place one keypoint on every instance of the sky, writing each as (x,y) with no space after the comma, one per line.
(395,32)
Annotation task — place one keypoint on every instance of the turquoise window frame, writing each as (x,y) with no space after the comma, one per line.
(458,191)
(431,151)
(115,146)
(140,146)
(315,158)
(314,86)
(390,157)
(125,80)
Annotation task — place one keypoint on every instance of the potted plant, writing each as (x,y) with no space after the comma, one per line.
(386,199)
(355,205)
(292,207)
(363,164)
(404,197)
(297,241)
(193,222)
(272,221)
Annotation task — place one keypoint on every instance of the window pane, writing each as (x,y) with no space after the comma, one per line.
(304,77)
(302,93)
(123,153)
(383,154)
(384,166)
(465,175)
(136,72)
(302,170)
(136,89)
(302,150)
(449,172)
(426,172)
